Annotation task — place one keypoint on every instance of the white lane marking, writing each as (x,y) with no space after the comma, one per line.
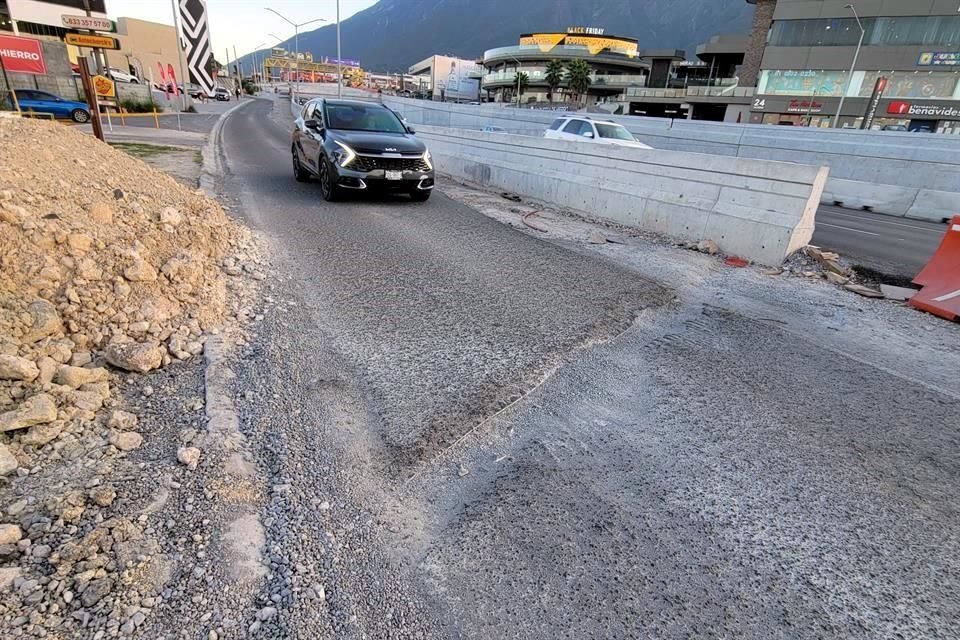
(949,296)
(878,219)
(837,226)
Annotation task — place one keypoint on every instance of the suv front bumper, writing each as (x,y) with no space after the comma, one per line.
(376,180)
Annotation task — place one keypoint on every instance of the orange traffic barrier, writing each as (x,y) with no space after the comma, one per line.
(940,279)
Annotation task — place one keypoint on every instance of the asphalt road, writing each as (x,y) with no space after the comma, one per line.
(892,245)
(701,472)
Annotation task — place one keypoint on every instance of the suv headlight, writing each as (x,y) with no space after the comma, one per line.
(428,159)
(344,155)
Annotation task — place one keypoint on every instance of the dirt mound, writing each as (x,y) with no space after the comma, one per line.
(124,253)
(105,264)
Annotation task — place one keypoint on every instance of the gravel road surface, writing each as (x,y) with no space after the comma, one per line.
(472,432)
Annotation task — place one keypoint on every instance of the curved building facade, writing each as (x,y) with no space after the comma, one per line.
(616,63)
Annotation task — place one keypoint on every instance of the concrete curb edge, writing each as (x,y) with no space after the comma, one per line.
(212,167)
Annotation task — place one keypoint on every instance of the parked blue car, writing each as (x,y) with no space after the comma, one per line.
(45,102)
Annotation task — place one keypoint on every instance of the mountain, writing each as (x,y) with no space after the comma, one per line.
(393,34)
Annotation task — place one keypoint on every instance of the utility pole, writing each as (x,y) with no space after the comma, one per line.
(6,85)
(236,60)
(339,64)
(101,65)
(91,94)
(176,31)
(229,73)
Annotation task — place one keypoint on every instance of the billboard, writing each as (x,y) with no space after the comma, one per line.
(22,55)
(50,12)
(452,81)
(343,62)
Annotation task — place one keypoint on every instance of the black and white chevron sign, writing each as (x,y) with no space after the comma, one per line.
(196,36)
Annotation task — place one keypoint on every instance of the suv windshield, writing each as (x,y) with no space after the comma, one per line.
(353,117)
(614,131)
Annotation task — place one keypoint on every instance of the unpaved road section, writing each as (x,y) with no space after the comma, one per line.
(472,432)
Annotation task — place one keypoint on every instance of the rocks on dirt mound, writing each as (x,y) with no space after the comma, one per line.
(105,264)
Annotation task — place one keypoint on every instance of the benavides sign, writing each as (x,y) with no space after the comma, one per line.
(942,111)
(22,55)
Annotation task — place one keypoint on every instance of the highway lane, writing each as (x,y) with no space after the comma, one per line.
(889,244)
(705,473)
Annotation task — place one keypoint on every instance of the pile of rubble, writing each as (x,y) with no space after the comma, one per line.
(814,262)
(106,266)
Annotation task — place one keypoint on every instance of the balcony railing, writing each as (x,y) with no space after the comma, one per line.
(731,91)
(539,76)
(559,51)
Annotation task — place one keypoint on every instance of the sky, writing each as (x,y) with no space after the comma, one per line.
(244,24)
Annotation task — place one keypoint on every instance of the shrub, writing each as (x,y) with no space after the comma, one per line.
(132,105)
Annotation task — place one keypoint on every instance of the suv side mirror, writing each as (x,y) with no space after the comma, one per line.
(410,130)
(313,125)
(587,134)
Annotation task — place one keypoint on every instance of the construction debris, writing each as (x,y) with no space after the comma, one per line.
(866,292)
(898,294)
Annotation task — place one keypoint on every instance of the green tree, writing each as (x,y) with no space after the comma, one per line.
(523,81)
(554,77)
(578,78)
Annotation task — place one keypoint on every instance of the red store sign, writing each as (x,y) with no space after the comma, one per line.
(22,55)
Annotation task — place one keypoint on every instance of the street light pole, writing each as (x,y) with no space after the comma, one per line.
(856,56)
(339,63)
(257,71)
(296,36)
(519,66)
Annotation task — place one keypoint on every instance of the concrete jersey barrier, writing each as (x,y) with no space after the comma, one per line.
(903,174)
(757,209)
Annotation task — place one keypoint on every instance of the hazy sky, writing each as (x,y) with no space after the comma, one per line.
(244,23)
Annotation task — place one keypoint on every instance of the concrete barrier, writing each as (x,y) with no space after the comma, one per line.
(757,209)
(902,174)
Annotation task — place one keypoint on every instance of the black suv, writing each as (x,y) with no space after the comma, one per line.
(352,144)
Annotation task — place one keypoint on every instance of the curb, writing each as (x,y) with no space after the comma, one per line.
(212,166)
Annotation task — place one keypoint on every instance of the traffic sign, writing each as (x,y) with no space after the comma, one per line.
(91,23)
(92,41)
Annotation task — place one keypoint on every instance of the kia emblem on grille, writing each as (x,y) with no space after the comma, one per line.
(389,149)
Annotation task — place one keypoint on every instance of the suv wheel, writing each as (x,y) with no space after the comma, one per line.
(80,115)
(299,173)
(329,190)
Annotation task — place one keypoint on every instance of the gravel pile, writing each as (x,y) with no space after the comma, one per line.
(106,266)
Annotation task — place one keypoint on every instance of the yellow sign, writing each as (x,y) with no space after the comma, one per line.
(546,41)
(92,41)
(595,45)
(104,87)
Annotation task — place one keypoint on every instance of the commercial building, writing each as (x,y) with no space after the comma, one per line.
(624,78)
(44,17)
(615,63)
(447,79)
(707,89)
(145,49)
(802,51)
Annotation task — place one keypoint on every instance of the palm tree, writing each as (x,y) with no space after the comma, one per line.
(523,81)
(578,78)
(554,77)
